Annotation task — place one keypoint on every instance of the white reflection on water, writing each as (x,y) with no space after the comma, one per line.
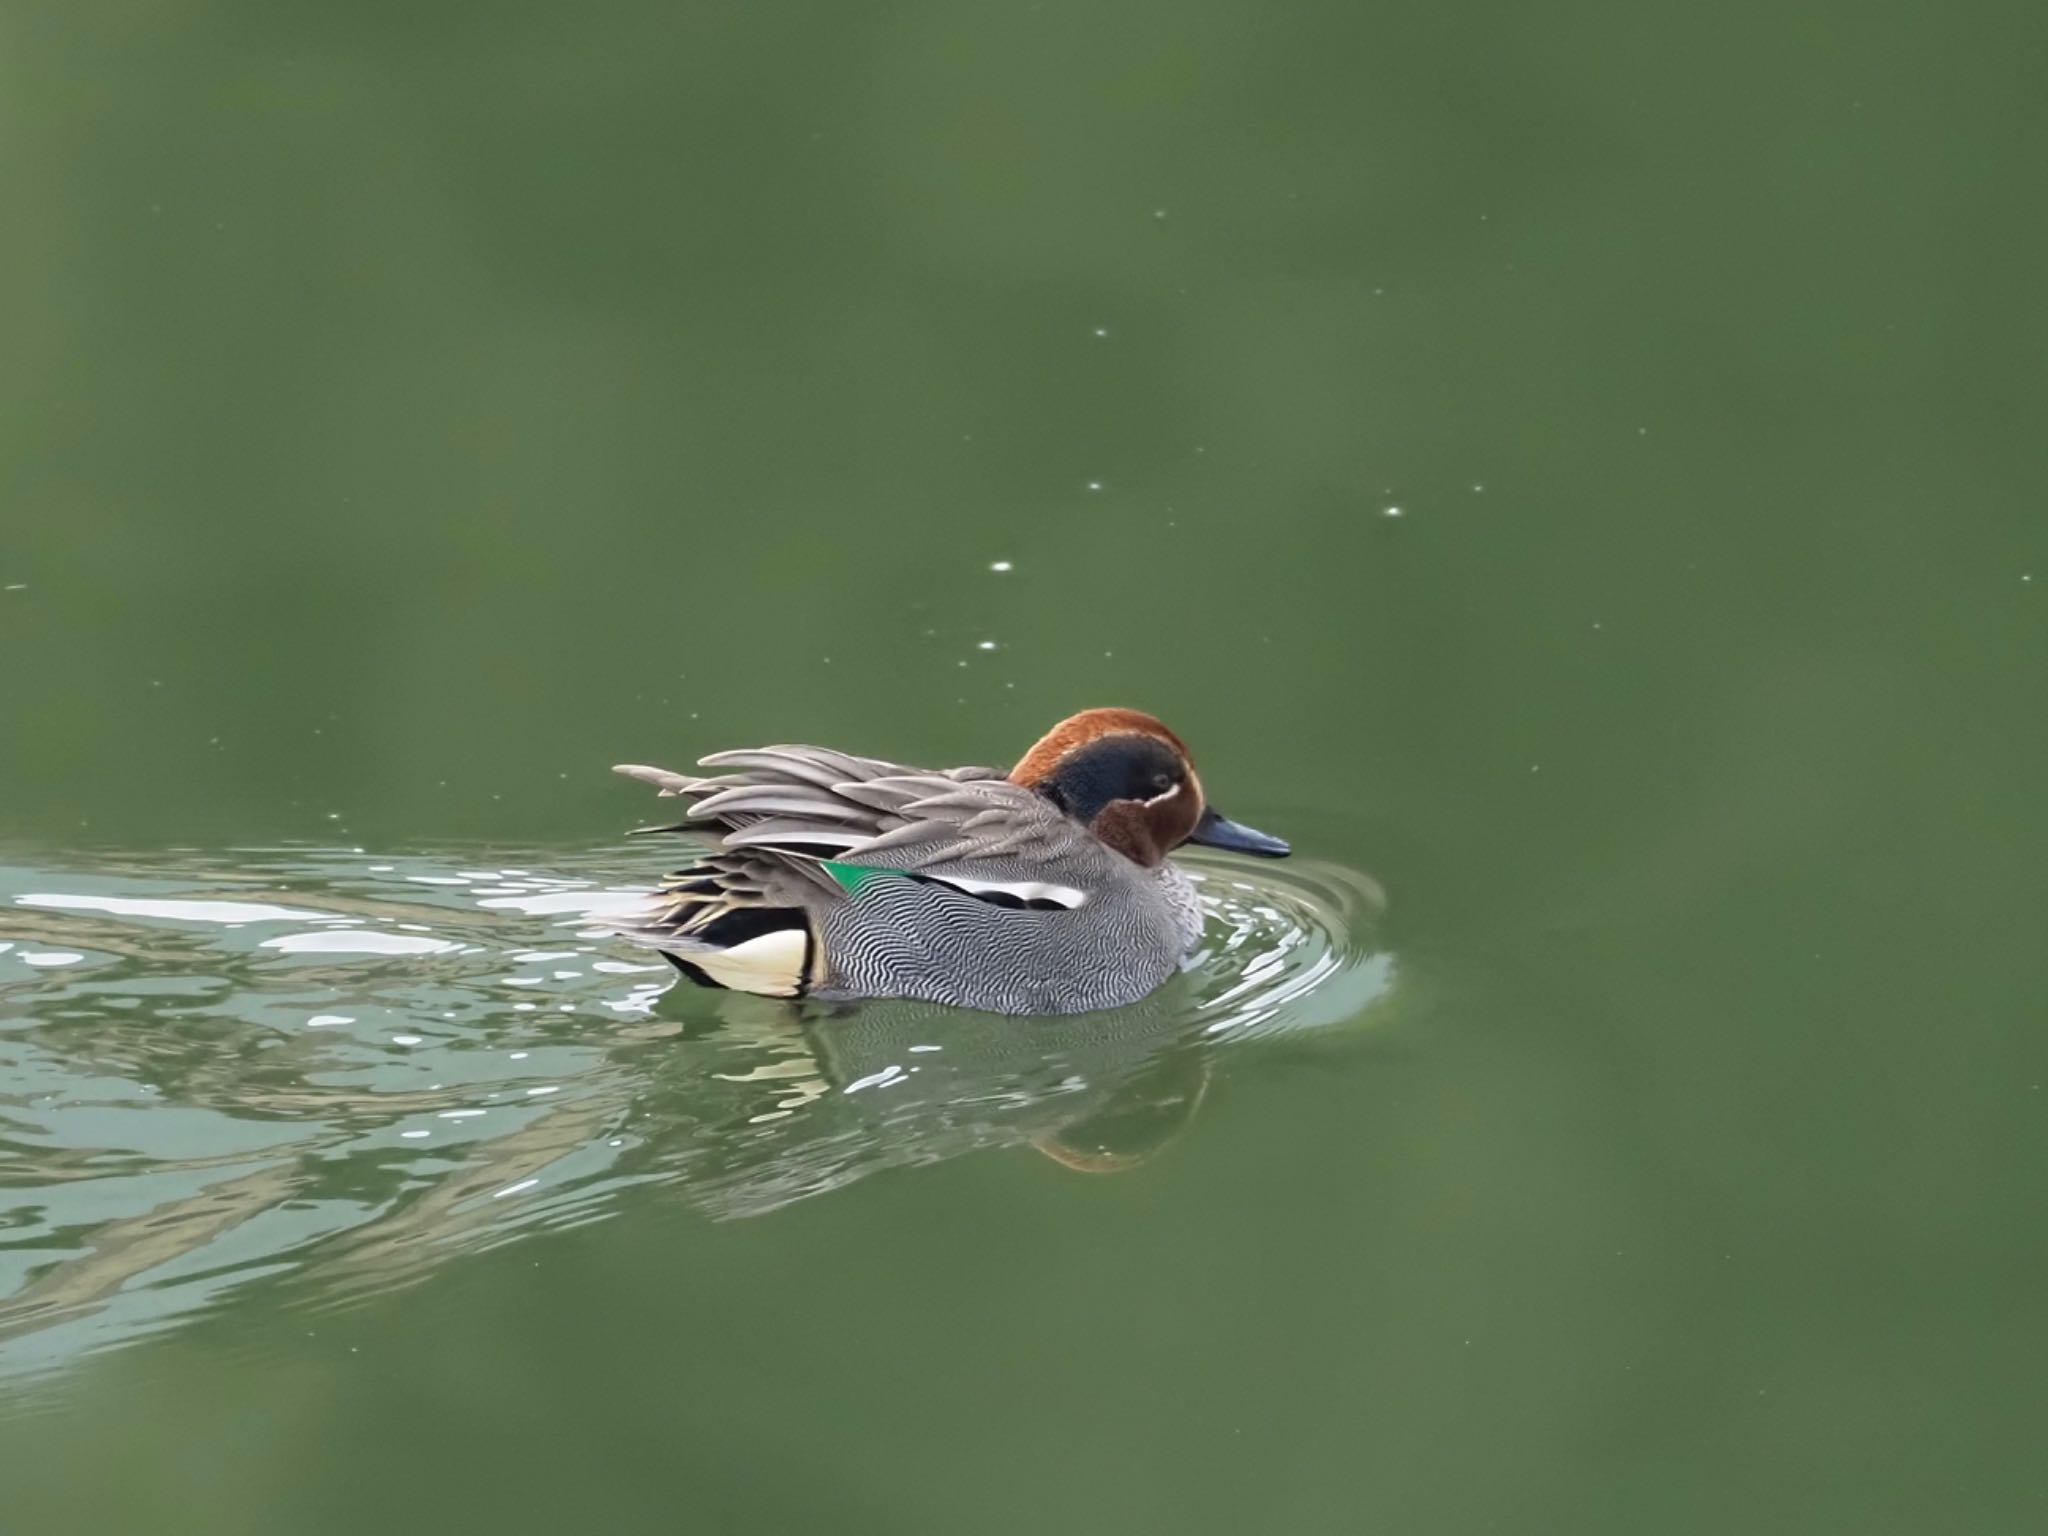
(227,913)
(443,1055)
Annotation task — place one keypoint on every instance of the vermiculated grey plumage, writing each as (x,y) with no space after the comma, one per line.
(996,899)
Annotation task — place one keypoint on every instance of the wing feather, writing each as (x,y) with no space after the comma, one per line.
(804,803)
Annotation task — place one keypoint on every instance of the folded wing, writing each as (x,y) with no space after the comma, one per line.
(795,830)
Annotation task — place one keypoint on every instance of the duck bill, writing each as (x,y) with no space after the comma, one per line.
(1215,831)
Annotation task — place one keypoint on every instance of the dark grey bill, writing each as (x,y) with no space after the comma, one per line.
(1221,832)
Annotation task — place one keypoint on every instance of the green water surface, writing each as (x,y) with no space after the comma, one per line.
(1576,471)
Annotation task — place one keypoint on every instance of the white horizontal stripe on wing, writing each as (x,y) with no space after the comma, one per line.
(1023,890)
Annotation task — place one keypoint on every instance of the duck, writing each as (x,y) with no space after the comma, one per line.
(1047,889)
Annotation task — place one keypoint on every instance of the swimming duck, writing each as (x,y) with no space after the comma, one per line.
(1046,889)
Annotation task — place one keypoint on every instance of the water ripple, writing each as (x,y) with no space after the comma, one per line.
(336,1069)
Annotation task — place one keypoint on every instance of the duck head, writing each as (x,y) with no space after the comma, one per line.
(1129,780)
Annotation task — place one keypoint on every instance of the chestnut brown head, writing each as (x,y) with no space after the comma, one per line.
(1129,780)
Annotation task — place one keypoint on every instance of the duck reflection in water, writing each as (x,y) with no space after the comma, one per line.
(848,1090)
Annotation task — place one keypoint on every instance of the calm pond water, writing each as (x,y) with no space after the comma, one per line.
(1575,473)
